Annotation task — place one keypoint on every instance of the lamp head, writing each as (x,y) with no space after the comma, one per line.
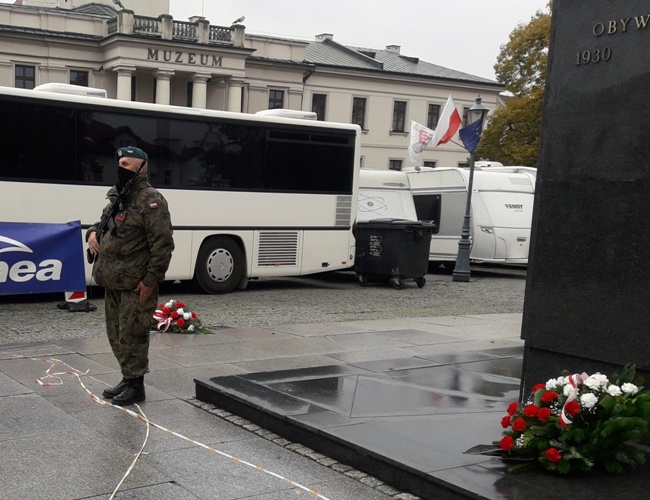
(478,112)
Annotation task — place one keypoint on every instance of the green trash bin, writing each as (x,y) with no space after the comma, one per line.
(392,250)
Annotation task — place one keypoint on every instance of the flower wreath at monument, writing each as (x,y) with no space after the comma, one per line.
(578,422)
(175,317)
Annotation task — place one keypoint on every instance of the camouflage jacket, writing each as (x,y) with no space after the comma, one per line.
(140,248)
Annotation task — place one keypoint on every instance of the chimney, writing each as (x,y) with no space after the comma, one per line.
(324,36)
(393,48)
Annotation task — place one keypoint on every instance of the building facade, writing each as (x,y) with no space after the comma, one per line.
(149,56)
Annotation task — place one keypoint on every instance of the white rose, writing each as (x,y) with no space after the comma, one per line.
(597,381)
(588,400)
(614,390)
(190,328)
(570,392)
(187,316)
(168,304)
(628,388)
(551,384)
(180,311)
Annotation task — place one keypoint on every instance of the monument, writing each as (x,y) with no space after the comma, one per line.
(587,305)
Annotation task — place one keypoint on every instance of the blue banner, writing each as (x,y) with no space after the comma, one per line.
(41,258)
(471,135)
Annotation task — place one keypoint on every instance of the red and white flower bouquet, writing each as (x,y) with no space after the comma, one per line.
(578,422)
(175,317)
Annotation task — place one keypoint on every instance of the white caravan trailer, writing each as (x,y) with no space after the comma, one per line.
(500,217)
(384,194)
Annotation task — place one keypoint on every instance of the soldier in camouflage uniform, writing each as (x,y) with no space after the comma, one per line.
(133,254)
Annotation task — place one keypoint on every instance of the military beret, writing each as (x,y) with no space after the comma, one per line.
(130,152)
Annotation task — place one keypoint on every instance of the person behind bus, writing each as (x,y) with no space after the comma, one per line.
(132,257)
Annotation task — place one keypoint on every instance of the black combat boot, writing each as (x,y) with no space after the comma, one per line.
(132,393)
(111,392)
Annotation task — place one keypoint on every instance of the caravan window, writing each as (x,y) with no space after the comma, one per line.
(427,206)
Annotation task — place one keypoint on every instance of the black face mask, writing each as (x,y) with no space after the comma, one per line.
(123,177)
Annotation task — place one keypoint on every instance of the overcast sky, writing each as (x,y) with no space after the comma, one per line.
(465,35)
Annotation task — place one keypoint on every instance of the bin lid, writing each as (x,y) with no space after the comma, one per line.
(395,224)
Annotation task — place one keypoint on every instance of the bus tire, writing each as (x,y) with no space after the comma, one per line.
(219,265)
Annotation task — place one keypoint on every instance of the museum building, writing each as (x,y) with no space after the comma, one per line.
(145,55)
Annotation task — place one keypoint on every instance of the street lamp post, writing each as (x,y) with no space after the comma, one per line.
(470,135)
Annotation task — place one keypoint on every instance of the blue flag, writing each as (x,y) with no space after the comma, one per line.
(471,135)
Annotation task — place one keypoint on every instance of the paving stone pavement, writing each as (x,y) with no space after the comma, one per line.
(329,297)
(59,443)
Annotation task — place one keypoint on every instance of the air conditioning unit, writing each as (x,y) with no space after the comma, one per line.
(65,88)
(288,113)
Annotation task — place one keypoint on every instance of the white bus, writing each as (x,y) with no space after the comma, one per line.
(250,196)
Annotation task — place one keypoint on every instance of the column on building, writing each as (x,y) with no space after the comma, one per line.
(234,95)
(124,75)
(163,86)
(200,90)
(6,72)
(295,98)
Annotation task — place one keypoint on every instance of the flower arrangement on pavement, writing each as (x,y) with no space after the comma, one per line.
(578,422)
(175,317)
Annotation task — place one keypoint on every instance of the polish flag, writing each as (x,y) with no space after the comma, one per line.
(448,124)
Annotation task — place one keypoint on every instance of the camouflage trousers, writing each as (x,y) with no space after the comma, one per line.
(128,324)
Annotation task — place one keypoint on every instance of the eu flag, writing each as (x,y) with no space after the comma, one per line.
(471,135)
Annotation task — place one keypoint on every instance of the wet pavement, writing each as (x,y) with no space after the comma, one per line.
(415,421)
(407,420)
(379,405)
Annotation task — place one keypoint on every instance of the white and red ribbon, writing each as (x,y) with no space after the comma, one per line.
(574,381)
(163,320)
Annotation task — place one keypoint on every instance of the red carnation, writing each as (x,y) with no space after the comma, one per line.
(180,322)
(175,314)
(519,425)
(572,408)
(553,455)
(166,310)
(180,304)
(507,443)
(193,315)
(512,409)
(505,422)
(543,414)
(537,388)
(531,411)
(549,396)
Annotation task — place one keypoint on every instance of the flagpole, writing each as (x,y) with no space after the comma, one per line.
(470,135)
(461,270)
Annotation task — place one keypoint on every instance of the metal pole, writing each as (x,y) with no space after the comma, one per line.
(461,271)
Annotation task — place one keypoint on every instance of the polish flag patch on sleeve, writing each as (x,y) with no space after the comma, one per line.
(153,205)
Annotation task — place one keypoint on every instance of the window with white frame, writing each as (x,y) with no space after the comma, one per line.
(276,99)
(25,76)
(399,116)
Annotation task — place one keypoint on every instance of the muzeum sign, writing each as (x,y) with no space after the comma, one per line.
(183,57)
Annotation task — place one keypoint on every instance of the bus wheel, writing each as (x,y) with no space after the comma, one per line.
(219,265)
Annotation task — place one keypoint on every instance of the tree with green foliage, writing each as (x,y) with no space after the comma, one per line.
(512,134)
